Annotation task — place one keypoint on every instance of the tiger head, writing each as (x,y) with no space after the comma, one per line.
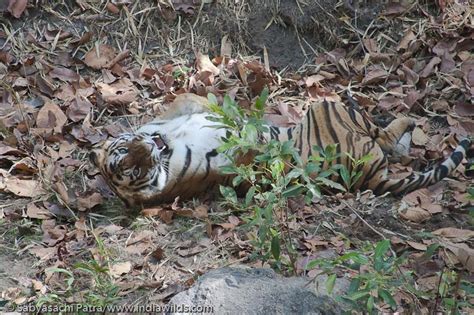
(132,166)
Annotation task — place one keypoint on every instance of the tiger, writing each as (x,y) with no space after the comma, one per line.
(177,154)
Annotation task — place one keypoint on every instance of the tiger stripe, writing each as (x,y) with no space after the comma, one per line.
(178,156)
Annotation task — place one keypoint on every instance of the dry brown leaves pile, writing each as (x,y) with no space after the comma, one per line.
(73,90)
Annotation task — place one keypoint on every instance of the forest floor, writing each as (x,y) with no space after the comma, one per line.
(73,73)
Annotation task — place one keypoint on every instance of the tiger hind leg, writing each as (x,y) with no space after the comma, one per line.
(395,139)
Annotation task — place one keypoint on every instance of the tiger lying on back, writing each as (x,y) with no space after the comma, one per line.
(176,155)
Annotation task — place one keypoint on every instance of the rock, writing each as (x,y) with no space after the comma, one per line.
(242,290)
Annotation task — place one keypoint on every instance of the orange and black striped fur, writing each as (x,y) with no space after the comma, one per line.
(330,122)
(176,155)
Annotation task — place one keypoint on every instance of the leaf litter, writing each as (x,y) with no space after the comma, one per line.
(65,89)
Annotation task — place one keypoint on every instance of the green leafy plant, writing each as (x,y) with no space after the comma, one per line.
(101,292)
(377,274)
(351,177)
(271,173)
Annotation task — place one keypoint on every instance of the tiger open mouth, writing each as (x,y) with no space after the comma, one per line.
(159,142)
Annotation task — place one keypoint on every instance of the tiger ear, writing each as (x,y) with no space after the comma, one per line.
(97,154)
(94,156)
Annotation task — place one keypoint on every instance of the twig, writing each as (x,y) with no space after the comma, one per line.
(456,293)
(121,56)
(438,295)
(362,219)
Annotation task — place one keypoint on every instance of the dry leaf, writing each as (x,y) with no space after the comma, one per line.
(415,214)
(185,212)
(158,253)
(226,47)
(456,235)
(52,117)
(419,137)
(16,7)
(406,40)
(463,253)
(464,109)
(190,251)
(89,202)
(112,8)
(35,212)
(417,246)
(122,92)
(165,215)
(151,212)
(21,187)
(118,269)
(64,74)
(394,8)
(313,79)
(99,57)
(79,108)
(390,102)
(53,234)
(429,68)
(204,64)
(44,85)
(200,212)
(375,76)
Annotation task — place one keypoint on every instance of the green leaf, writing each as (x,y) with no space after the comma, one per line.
(470,192)
(330,183)
(250,133)
(228,193)
(293,190)
(357,257)
(355,178)
(358,295)
(381,249)
(330,283)
(370,304)
(294,173)
(313,263)
(277,168)
(249,195)
(354,286)
(345,176)
(260,103)
(228,169)
(212,99)
(388,298)
(314,190)
(229,108)
(431,250)
(312,168)
(237,180)
(275,247)
(364,159)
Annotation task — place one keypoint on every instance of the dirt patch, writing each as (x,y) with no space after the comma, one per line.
(15,264)
(14,269)
(292,32)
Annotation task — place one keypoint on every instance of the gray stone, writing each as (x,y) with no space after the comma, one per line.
(243,290)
